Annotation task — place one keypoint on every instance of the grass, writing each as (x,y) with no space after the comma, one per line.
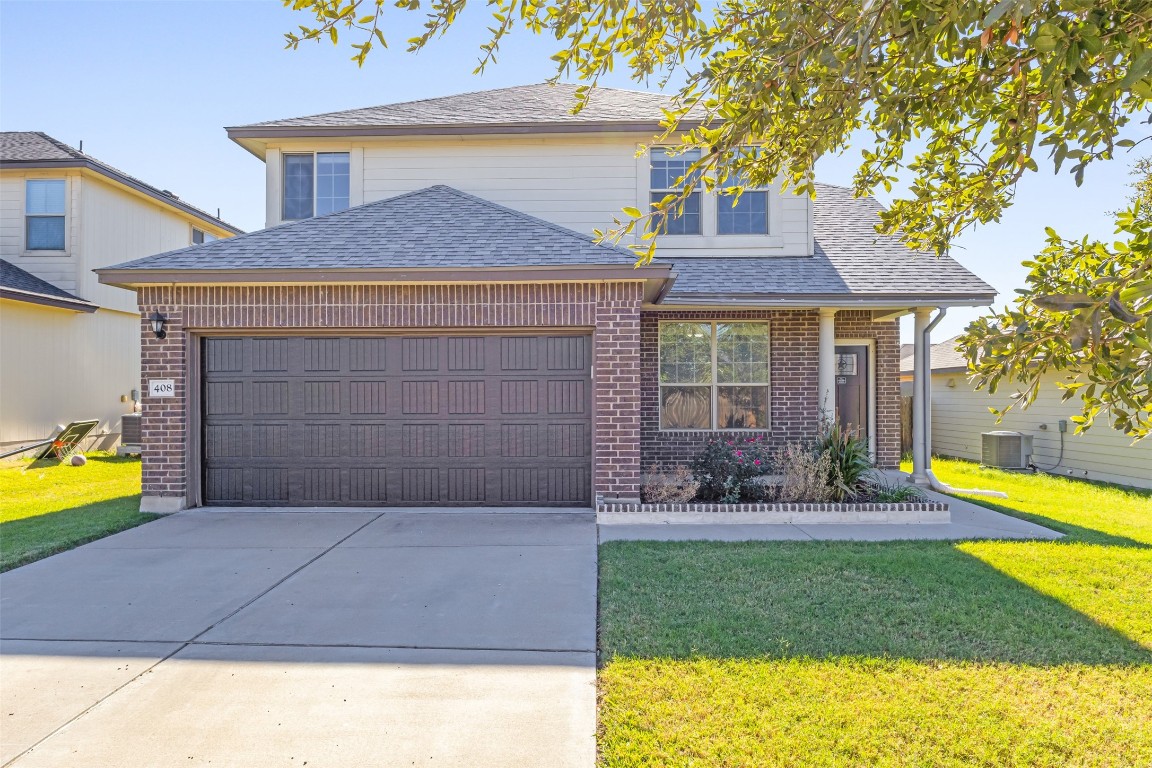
(48,507)
(992,653)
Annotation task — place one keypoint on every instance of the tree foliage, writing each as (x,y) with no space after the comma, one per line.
(1086,315)
(961,97)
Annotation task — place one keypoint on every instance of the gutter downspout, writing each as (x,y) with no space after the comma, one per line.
(925,396)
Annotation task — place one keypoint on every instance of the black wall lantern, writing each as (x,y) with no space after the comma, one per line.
(158,321)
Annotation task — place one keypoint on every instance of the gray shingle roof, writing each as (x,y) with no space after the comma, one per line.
(944,357)
(35,147)
(431,228)
(540,103)
(850,258)
(441,227)
(13,278)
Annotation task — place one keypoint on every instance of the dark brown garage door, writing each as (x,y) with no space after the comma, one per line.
(397,420)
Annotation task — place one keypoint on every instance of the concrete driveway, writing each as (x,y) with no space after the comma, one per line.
(319,638)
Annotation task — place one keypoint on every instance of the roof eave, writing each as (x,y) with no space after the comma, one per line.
(56,302)
(830,300)
(656,277)
(254,138)
(126,181)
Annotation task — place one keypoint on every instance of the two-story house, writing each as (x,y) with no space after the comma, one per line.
(69,346)
(428,320)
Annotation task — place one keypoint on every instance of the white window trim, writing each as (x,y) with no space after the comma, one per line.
(710,238)
(24,250)
(283,160)
(871,345)
(715,384)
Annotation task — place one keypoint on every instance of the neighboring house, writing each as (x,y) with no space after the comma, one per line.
(960,415)
(429,321)
(69,346)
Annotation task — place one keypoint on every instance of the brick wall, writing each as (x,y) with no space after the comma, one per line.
(794,365)
(611,309)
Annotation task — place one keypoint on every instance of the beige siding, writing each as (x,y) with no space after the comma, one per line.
(59,268)
(579,182)
(116,226)
(960,414)
(58,366)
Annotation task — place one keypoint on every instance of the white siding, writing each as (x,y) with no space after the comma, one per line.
(960,414)
(58,366)
(579,182)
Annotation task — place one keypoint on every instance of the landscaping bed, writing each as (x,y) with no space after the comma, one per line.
(740,481)
(773,513)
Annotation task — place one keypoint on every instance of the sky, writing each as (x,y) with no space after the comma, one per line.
(149,87)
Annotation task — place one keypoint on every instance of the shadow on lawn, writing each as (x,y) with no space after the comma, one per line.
(1074,533)
(29,539)
(913,600)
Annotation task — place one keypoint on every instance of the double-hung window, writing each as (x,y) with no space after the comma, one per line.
(315,184)
(743,215)
(667,174)
(44,201)
(714,375)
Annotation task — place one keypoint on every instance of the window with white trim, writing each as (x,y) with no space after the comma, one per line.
(315,184)
(746,214)
(667,173)
(714,375)
(44,201)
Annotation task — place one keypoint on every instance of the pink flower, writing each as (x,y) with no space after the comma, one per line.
(757,462)
(739,453)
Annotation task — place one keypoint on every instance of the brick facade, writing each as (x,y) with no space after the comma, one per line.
(610,310)
(794,363)
(625,347)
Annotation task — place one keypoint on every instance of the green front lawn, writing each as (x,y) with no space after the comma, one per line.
(904,654)
(47,507)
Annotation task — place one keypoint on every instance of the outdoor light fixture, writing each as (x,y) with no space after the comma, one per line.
(158,321)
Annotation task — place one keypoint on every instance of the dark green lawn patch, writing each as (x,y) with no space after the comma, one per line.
(48,507)
(913,600)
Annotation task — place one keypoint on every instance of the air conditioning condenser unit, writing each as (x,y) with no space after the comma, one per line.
(1006,450)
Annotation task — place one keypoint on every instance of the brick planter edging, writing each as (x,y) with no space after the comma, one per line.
(773,514)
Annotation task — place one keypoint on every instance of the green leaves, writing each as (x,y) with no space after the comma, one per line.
(1085,315)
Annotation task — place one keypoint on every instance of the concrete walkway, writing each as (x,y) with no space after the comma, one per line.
(969,521)
(242,638)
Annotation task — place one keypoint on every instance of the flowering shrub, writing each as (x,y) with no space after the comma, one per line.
(727,470)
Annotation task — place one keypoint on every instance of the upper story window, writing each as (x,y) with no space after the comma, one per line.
(746,215)
(44,201)
(199,236)
(315,184)
(714,375)
(666,177)
(707,214)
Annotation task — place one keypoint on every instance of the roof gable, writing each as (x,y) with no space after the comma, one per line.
(35,149)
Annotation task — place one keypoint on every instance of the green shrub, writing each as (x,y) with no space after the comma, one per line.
(727,470)
(883,491)
(850,462)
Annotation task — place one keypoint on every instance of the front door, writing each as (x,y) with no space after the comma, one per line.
(852,396)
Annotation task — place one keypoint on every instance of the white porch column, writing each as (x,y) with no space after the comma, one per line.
(826,379)
(921,357)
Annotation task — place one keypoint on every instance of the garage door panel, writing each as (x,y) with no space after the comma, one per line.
(397,420)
